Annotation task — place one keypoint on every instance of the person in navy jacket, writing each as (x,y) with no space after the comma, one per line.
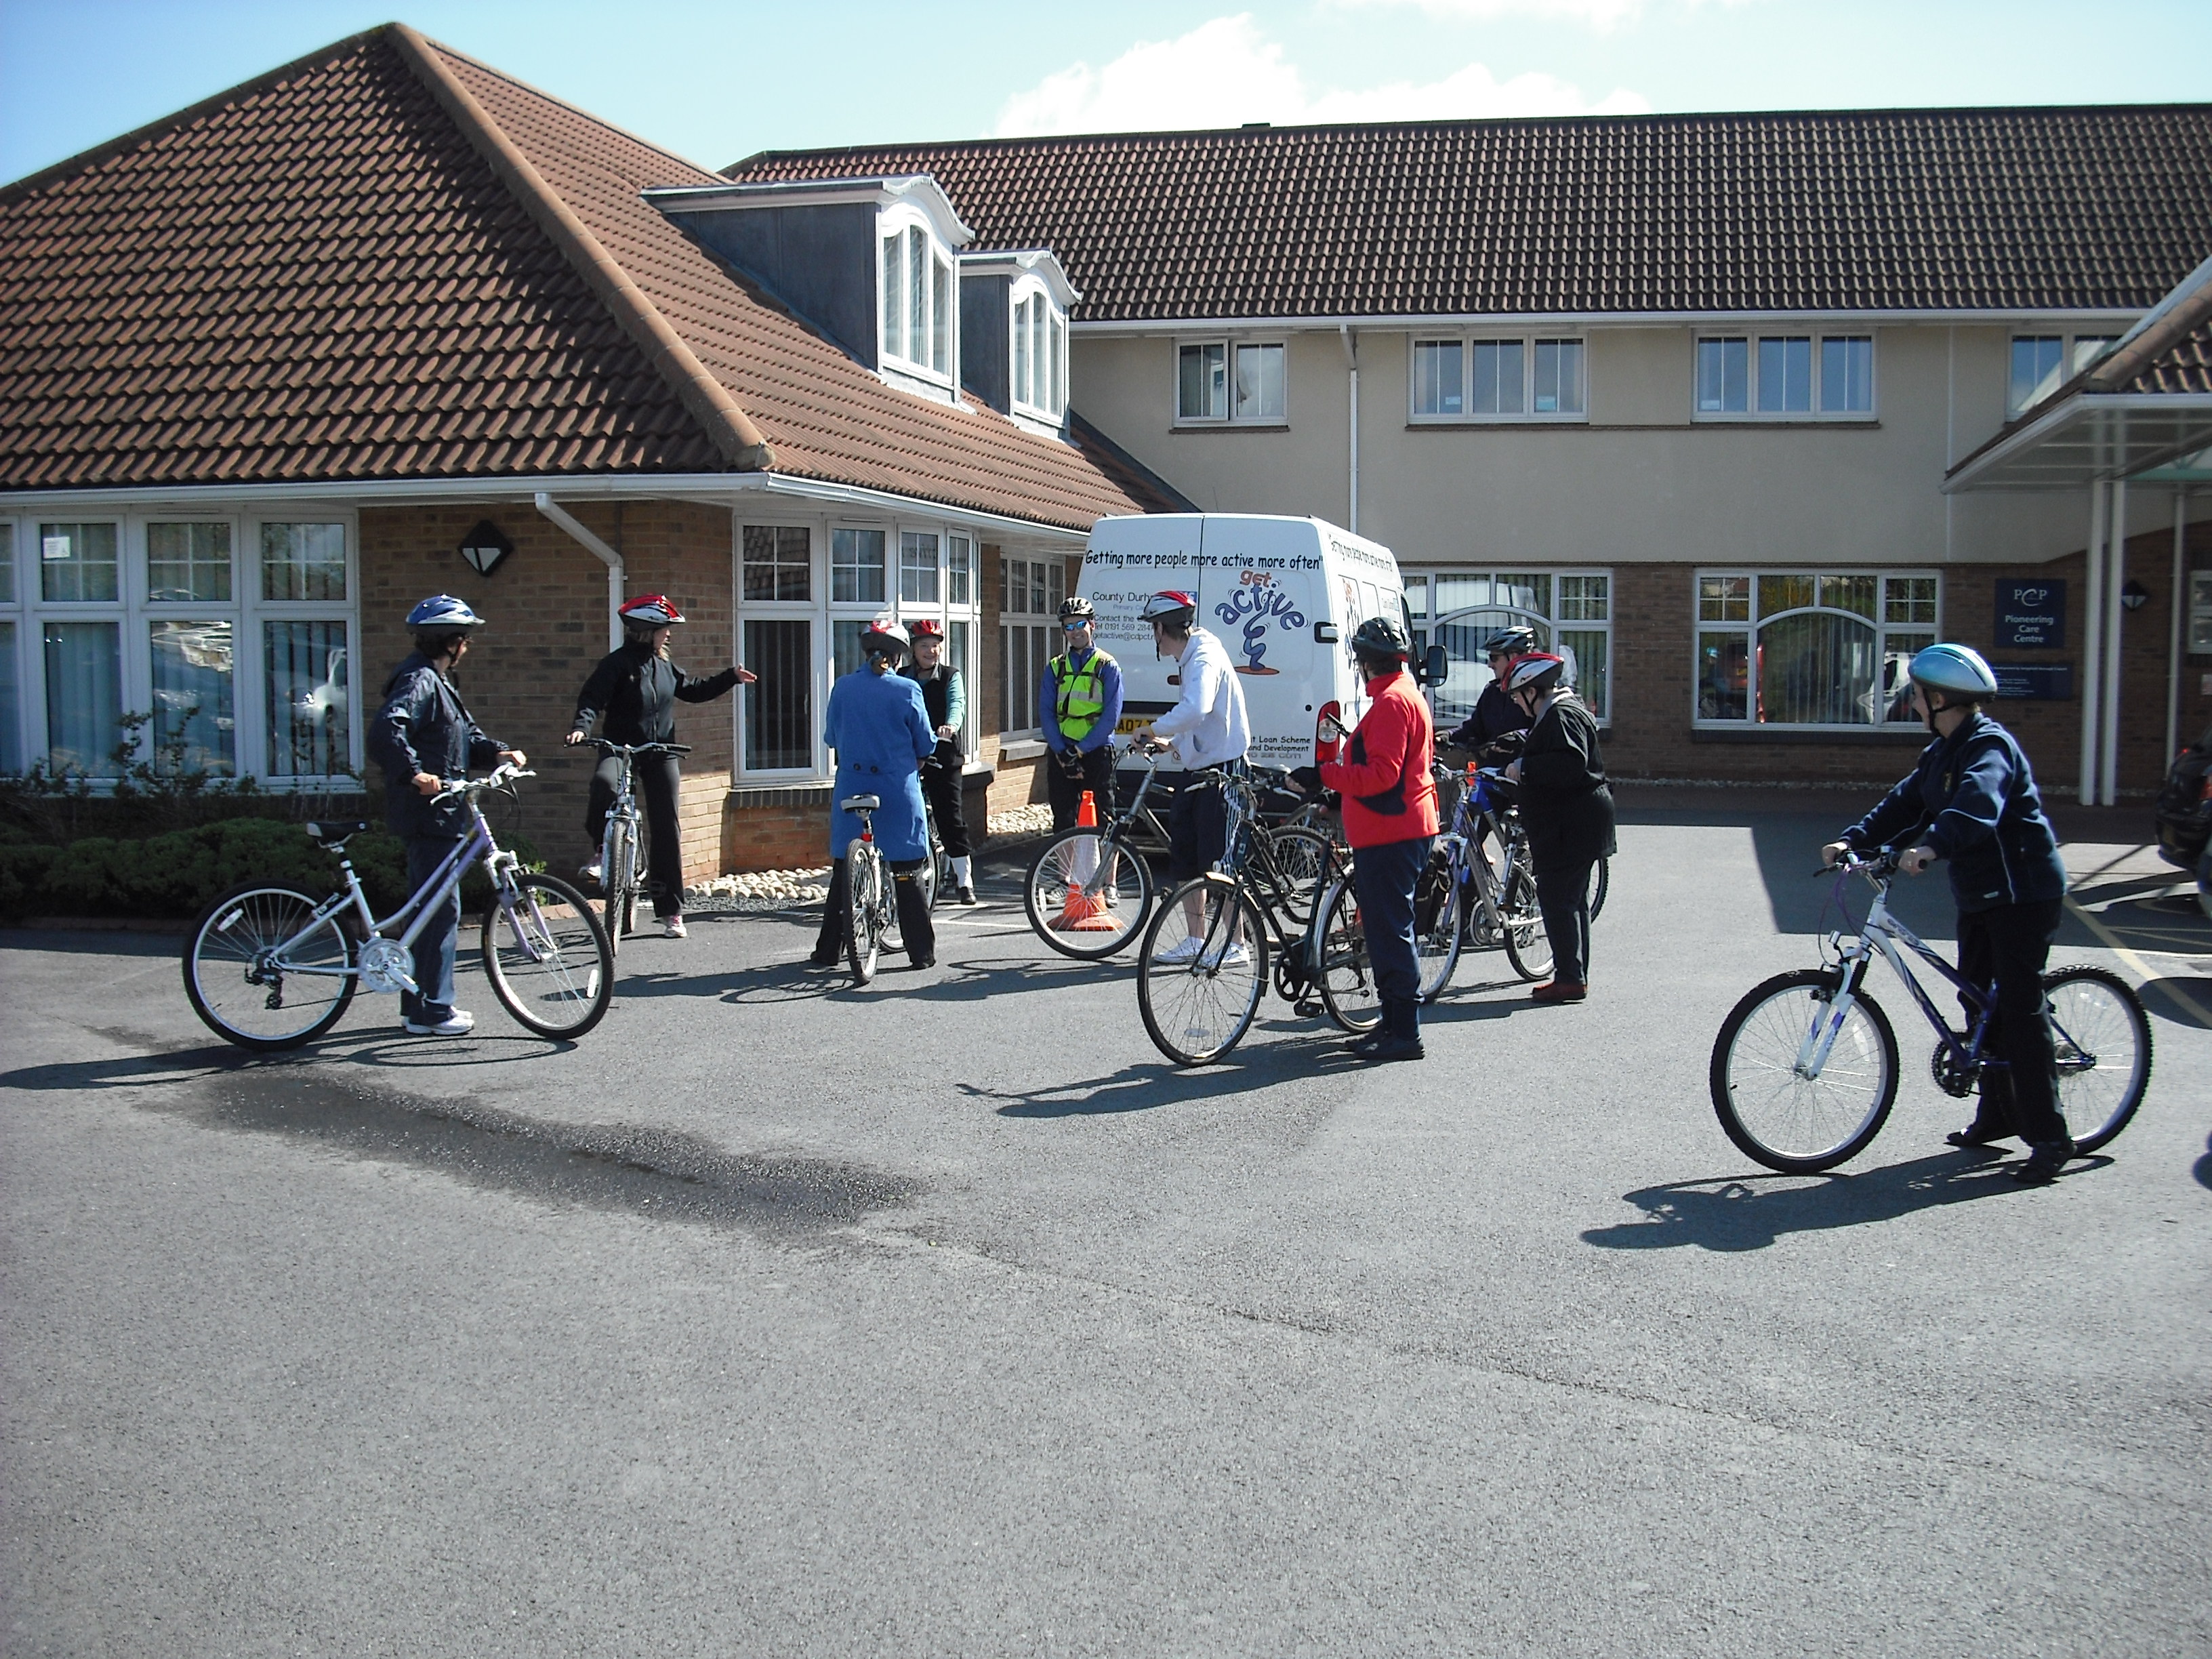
(1390,819)
(426,740)
(1972,800)
(880,729)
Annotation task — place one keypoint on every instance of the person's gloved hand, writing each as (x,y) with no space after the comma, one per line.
(1307,779)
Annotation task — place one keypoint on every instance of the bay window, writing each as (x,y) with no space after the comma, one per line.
(1499,380)
(1784,376)
(149,618)
(1809,648)
(1040,353)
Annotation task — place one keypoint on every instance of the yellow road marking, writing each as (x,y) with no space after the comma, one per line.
(2142,969)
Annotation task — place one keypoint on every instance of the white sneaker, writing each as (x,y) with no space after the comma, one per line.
(1113,897)
(1237,955)
(1185,949)
(460,1023)
(593,873)
(673,927)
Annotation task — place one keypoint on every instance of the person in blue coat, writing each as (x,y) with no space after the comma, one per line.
(880,730)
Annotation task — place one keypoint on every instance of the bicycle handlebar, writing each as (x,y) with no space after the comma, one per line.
(606,748)
(1881,864)
(503,773)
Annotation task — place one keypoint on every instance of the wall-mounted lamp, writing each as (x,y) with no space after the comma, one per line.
(2135,596)
(484,547)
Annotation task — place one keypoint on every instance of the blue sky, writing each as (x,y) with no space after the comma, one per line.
(715,80)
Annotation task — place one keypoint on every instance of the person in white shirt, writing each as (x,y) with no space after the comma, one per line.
(1206,727)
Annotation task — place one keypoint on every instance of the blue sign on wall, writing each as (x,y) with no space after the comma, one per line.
(2031,615)
(2038,681)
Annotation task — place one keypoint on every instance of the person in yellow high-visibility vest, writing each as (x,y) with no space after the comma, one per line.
(1078,703)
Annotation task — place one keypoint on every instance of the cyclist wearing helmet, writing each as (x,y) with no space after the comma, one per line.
(1390,819)
(945,700)
(1492,733)
(1079,702)
(1206,727)
(879,727)
(425,739)
(634,692)
(1568,811)
(1972,800)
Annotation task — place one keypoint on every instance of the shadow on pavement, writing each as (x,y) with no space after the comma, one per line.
(194,1065)
(2203,1170)
(1141,1088)
(1738,1212)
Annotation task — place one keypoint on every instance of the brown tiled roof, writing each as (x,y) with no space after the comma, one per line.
(387,261)
(2008,209)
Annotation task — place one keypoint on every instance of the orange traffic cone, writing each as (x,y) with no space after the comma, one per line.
(1079,915)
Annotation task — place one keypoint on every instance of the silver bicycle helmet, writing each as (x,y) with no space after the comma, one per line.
(1955,670)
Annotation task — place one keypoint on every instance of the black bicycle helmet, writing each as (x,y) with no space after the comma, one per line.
(1076,608)
(1378,636)
(1509,642)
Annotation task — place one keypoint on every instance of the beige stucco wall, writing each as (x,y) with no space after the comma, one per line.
(1640,481)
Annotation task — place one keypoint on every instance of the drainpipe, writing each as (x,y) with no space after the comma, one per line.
(613,561)
(2116,576)
(1352,399)
(2092,641)
(2173,643)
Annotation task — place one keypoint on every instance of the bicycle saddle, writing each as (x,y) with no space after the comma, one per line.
(859,803)
(334,834)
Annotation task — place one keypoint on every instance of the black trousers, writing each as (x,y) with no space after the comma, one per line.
(1064,789)
(940,782)
(2007,946)
(656,779)
(1384,878)
(1562,895)
(916,927)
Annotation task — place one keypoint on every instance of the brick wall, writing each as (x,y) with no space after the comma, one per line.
(1651,735)
(547,605)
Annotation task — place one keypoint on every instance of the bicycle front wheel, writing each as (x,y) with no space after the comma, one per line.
(549,960)
(865,897)
(1601,882)
(1088,894)
(1347,978)
(1198,990)
(1437,931)
(1527,946)
(1775,1113)
(260,976)
(621,883)
(1305,860)
(2102,1037)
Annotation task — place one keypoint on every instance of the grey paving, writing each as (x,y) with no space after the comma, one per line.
(779,1317)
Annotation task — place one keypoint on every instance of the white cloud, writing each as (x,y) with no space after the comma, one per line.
(1599,15)
(1225,73)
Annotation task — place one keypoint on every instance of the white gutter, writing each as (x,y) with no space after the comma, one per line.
(613,561)
(2092,643)
(1399,322)
(2029,436)
(1351,421)
(716,487)
(2116,576)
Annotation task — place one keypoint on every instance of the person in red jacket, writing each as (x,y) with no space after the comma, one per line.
(1390,819)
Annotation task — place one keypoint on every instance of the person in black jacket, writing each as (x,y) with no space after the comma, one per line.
(425,739)
(634,692)
(945,698)
(1567,809)
(1972,800)
(1492,733)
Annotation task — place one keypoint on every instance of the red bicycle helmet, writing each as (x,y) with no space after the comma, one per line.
(650,610)
(925,628)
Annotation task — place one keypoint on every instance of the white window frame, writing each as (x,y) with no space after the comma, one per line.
(134,610)
(893,358)
(1754,622)
(1027,296)
(812,611)
(2076,351)
(1019,692)
(1528,414)
(1753,413)
(1229,345)
(1548,622)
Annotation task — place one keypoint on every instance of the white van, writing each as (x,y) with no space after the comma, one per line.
(1282,595)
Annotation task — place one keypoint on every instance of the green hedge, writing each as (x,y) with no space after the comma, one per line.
(174,875)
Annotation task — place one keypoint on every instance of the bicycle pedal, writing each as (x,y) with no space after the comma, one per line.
(1308,1009)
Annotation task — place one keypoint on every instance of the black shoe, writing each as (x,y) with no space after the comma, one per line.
(965,896)
(2045,1159)
(1379,1045)
(821,958)
(924,962)
(1978,1133)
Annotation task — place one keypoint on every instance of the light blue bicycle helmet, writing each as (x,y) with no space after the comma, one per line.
(441,612)
(1954,669)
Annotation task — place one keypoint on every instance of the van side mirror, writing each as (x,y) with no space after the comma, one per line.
(1325,633)
(1435,666)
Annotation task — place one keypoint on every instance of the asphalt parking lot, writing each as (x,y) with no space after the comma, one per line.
(782,1317)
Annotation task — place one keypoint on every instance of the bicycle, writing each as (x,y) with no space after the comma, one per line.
(1805,1070)
(622,847)
(936,871)
(1466,898)
(1089,890)
(1282,889)
(869,907)
(268,967)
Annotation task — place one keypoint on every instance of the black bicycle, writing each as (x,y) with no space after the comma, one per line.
(621,843)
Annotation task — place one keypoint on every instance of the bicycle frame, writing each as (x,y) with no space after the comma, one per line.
(1245,855)
(1882,934)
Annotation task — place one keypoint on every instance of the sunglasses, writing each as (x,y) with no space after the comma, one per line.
(1074,626)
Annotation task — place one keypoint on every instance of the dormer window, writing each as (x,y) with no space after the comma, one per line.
(920,310)
(1040,380)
